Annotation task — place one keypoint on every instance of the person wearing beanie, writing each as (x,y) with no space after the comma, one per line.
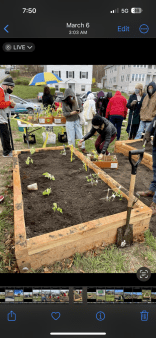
(148,109)
(107,135)
(88,93)
(6,104)
(134,105)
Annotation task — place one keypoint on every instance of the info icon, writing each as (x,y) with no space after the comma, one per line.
(143,274)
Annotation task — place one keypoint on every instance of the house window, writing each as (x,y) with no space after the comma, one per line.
(136,77)
(143,77)
(127,77)
(69,74)
(149,66)
(83,75)
(83,88)
(57,72)
(56,87)
(139,77)
(122,78)
(133,75)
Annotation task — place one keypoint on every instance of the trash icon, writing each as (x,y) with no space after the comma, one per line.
(144,316)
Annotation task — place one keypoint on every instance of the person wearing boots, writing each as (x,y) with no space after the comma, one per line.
(134,105)
(107,135)
(71,108)
(148,109)
(5,104)
(152,188)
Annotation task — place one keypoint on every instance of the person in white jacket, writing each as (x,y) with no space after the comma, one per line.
(89,110)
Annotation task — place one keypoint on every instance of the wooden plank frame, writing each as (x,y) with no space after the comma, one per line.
(33,253)
(124,147)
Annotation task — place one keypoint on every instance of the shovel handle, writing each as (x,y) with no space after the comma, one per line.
(135,152)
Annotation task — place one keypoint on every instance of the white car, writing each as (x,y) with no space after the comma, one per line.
(23,106)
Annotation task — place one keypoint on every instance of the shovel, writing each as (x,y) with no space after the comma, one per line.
(125,233)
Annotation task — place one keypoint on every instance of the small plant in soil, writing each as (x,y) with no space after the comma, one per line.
(63,152)
(47,191)
(28,160)
(85,166)
(32,151)
(56,208)
(92,178)
(51,177)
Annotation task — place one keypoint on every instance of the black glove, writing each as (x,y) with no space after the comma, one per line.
(133,102)
(147,137)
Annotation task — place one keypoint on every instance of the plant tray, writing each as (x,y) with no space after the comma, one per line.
(59,119)
(35,252)
(124,147)
(46,120)
(108,162)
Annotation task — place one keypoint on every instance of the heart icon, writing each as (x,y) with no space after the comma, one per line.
(55,315)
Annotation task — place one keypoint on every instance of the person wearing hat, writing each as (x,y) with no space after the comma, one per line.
(71,107)
(107,135)
(148,109)
(101,104)
(6,104)
(134,105)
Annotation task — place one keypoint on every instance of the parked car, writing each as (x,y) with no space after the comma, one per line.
(7,70)
(39,97)
(23,106)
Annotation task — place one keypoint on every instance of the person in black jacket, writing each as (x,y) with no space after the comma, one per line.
(47,98)
(107,133)
(134,105)
(151,130)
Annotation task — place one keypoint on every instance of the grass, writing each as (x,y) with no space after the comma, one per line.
(27,92)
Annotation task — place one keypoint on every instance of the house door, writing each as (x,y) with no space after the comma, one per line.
(71,86)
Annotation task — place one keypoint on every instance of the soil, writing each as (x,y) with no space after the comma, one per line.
(143,179)
(79,200)
(139,145)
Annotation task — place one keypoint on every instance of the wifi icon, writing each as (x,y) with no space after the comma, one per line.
(115,10)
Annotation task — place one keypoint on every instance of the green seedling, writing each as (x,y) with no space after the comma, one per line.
(55,208)
(92,178)
(51,177)
(85,166)
(32,151)
(47,191)
(28,160)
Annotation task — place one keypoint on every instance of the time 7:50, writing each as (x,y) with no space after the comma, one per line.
(29,10)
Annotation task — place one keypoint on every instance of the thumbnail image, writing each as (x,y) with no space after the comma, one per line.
(128,296)
(137,296)
(153,296)
(18,295)
(51,101)
(91,295)
(28,296)
(78,295)
(110,296)
(9,296)
(37,295)
(2,296)
(119,295)
(100,295)
(46,296)
(146,295)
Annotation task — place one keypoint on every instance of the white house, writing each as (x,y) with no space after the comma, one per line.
(76,77)
(125,77)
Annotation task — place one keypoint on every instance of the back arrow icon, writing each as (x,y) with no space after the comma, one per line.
(6,29)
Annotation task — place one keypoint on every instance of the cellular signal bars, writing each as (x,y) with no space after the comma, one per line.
(115,10)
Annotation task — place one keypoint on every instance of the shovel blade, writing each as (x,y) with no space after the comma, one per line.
(120,236)
(128,235)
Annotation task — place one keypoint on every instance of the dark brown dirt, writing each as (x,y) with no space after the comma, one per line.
(139,145)
(78,199)
(143,179)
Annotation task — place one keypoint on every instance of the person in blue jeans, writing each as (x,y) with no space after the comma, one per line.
(152,188)
(148,109)
(71,108)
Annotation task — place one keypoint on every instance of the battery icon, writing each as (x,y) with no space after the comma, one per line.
(136,10)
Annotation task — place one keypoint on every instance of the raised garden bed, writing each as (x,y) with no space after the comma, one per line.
(43,236)
(125,146)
